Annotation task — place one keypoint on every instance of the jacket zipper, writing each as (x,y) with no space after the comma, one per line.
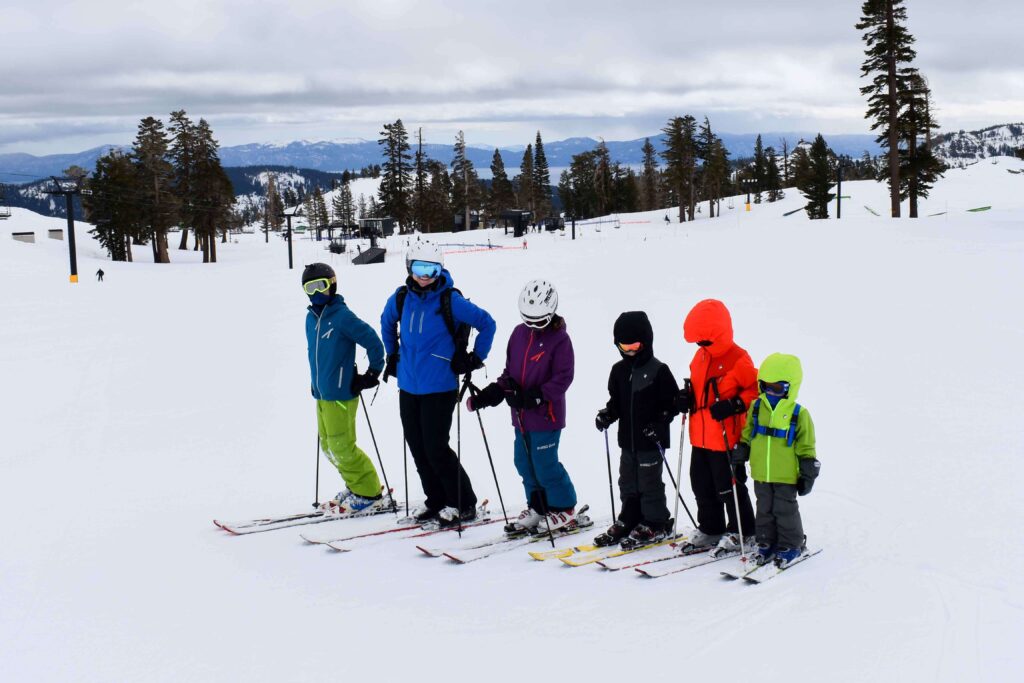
(316,355)
(522,379)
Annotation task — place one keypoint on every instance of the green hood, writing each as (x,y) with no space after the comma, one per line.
(782,367)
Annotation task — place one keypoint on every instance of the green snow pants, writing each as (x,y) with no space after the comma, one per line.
(336,422)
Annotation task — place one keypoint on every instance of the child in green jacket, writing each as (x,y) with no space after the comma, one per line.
(778,439)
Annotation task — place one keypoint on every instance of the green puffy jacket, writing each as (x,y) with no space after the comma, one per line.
(771,460)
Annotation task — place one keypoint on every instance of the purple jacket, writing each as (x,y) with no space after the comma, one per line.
(540,358)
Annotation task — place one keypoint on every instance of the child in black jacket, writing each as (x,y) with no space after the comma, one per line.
(641,390)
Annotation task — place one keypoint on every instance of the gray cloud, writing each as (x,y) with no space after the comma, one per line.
(262,71)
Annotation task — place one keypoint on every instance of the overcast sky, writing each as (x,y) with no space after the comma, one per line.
(79,74)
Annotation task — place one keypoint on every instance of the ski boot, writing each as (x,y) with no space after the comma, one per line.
(698,540)
(558,521)
(526,523)
(642,535)
(761,554)
(730,544)
(338,504)
(615,533)
(450,517)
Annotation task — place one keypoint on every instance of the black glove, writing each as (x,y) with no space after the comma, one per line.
(520,398)
(683,401)
(660,420)
(391,367)
(809,469)
(728,407)
(367,380)
(604,419)
(463,362)
(488,397)
(739,454)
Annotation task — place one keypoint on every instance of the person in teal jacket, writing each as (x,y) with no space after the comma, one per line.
(423,355)
(332,333)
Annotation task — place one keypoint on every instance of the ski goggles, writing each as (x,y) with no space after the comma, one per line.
(425,269)
(321,284)
(773,388)
(628,348)
(536,323)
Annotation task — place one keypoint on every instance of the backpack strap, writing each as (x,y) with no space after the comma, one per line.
(788,434)
(459,331)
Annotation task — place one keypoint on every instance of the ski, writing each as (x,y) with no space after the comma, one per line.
(256,526)
(770,570)
(482,513)
(580,559)
(506,538)
(558,553)
(692,560)
(658,553)
(467,555)
(483,518)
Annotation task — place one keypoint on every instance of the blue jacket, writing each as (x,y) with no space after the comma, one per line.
(331,337)
(426,344)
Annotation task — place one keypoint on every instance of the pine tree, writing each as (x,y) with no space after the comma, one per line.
(772,178)
(213,195)
(437,206)
(149,151)
(273,208)
(650,178)
(541,179)
(603,180)
(919,167)
(567,194)
(182,155)
(361,206)
(420,180)
(465,183)
(680,157)
(888,49)
(816,178)
(117,219)
(396,181)
(759,170)
(501,197)
(524,182)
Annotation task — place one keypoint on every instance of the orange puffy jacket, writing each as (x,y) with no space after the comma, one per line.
(721,370)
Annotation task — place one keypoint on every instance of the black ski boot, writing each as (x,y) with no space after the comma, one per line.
(643,535)
(615,533)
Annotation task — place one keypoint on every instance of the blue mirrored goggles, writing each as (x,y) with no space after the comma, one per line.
(425,269)
(773,388)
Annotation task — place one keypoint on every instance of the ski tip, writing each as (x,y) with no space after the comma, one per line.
(453,558)
(337,548)
(642,573)
(217,524)
(427,551)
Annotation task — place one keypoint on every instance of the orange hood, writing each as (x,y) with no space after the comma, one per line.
(710,321)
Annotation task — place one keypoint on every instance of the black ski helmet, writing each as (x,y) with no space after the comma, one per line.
(315,271)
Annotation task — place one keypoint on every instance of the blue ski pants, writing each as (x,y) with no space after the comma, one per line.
(546,482)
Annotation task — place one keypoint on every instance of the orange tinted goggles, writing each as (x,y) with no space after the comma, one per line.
(635,346)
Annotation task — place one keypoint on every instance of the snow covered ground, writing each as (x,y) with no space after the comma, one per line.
(136,410)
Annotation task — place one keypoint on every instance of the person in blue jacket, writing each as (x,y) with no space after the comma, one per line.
(418,326)
(332,333)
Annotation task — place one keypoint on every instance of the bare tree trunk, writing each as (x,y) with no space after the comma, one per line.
(183,245)
(912,154)
(894,112)
(128,248)
(213,248)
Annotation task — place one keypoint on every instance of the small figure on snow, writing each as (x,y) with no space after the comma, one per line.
(641,390)
(724,382)
(780,427)
(667,219)
(332,333)
(425,328)
(99,275)
(539,367)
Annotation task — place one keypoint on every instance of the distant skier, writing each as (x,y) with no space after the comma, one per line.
(724,382)
(99,275)
(778,439)
(332,333)
(420,326)
(641,390)
(667,219)
(539,367)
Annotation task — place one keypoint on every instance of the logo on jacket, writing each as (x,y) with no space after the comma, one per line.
(536,357)
(327,334)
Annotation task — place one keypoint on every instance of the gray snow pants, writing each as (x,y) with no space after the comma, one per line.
(641,489)
(778,515)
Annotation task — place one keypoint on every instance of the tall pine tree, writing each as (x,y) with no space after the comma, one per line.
(814,179)
(501,196)
(649,200)
(541,179)
(524,182)
(156,192)
(396,181)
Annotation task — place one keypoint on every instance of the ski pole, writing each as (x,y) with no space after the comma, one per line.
(458,446)
(679,481)
(316,491)
(668,468)
(608,456)
(473,391)
(732,473)
(387,487)
(405,470)
(544,494)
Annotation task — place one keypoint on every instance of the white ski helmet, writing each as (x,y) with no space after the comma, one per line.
(537,303)
(424,251)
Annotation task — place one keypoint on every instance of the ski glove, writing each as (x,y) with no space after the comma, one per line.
(604,419)
(519,398)
(488,397)
(463,362)
(683,401)
(725,408)
(367,380)
(739,454)
(660,420)
(809,469)
(391,367)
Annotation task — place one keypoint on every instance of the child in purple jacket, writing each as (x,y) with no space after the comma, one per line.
(538,371)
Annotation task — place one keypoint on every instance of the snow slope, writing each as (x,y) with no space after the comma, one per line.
(136,410)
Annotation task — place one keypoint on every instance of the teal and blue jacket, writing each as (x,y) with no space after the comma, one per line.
(332,334)
(426,343)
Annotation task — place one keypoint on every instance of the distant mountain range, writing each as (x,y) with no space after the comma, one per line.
(963,148)
(354,155)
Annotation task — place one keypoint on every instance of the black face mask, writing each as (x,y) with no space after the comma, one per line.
(705,343)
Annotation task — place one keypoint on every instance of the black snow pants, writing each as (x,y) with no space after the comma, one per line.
(427,422)
(641,490)
(711,480)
